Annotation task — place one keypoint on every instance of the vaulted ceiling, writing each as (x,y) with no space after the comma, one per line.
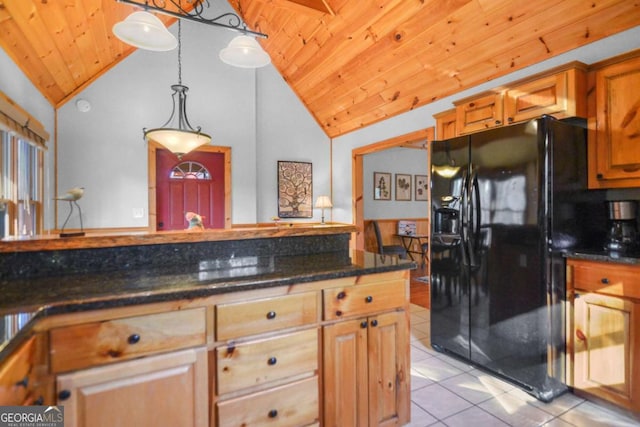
(351,62)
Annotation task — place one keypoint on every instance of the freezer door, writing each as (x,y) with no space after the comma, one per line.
(449,279)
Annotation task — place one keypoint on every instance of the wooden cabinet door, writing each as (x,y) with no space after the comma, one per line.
(483,112)
(533,99)
(345,374)
(389,385)
(446,125)
(166,390)
(604,341)
(617,133)
(366,371)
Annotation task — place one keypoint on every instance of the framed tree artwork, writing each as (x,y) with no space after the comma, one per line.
(381,186)
(295,184)
(403,187)
(422,190)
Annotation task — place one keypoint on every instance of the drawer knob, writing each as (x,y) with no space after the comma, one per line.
(341,295)
(23,382)
(604,281)
(272,361)
(369,299)
(64,395)
(580,335)
(273,413)
(271,315)
(374,323)
(338,313)
(133,339)
(39,401)
(363,324)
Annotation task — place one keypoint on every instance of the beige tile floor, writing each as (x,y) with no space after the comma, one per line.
(447,392)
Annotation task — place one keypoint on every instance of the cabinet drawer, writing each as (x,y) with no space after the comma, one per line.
(239,319)
(294,404)
(97,343)
(363,299)
(258,362)
(609,278)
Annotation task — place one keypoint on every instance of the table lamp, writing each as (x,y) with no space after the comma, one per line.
(323,202)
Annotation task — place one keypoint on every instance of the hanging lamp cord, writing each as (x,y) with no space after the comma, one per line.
(179,52)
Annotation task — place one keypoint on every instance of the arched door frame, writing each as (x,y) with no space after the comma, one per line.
(419,139)
(151,156)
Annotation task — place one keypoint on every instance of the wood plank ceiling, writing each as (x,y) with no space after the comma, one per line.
(351,62)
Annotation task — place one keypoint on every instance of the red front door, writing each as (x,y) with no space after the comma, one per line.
(193,184)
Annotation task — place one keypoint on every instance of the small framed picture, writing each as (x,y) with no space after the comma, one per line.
(422,190)
(403,187)
(381,186)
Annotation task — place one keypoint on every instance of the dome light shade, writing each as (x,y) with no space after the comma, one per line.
(145,31)
(244,52)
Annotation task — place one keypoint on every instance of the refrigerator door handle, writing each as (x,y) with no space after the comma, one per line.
(473,213)
(464,219)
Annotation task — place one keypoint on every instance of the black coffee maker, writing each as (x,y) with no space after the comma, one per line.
(623,227)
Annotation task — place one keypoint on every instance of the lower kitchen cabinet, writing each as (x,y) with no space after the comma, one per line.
(605,331)
(164,390)
(604,355)
(332,353)
(366,371)
(21,379)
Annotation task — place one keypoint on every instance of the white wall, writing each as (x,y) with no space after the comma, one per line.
(286,131)
(422,117)
(406,161)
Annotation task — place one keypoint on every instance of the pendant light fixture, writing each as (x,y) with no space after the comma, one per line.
(177,134)
(145,31)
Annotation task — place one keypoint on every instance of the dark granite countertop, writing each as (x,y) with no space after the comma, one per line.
(44,296)
(89,291)
(603,256)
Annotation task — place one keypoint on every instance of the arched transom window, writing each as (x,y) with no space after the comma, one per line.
(190,170)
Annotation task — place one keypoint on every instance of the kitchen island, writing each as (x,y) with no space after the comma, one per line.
(295,327)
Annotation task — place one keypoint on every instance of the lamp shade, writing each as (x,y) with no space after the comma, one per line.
(145,31)
(244,52)
(323,202)
(178,141)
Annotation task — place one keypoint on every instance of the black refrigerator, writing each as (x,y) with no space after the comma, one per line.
(506,205)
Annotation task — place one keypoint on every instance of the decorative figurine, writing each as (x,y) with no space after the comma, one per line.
(72,196)
(195,221)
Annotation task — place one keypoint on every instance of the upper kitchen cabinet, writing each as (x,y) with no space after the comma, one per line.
(614,123)
(562,95)
(479,113)
(560,92)
(446,124)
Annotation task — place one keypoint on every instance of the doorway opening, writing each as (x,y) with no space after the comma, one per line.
(419,140)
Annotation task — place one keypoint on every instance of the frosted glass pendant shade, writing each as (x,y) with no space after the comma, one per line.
(244,52)
(178,141)
(145,31)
